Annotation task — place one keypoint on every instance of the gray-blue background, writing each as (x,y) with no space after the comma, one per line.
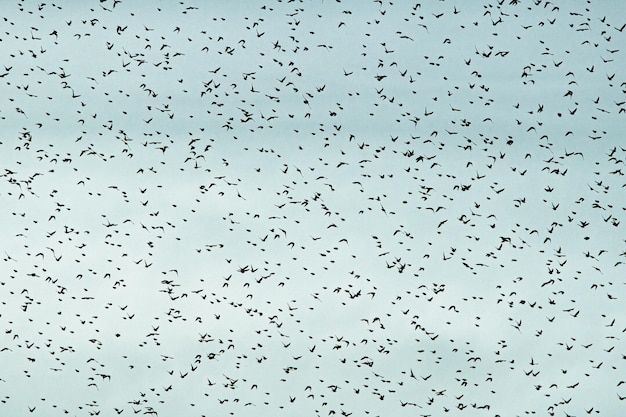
(312,208)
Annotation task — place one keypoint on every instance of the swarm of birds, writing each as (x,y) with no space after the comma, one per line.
(312,208)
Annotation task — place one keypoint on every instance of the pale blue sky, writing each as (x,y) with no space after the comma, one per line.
(312,208)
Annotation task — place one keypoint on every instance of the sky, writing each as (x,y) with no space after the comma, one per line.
(312,208)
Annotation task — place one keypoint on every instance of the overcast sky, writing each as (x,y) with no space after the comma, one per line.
(307,208)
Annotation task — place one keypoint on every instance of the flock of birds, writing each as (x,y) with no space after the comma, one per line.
(312,208)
